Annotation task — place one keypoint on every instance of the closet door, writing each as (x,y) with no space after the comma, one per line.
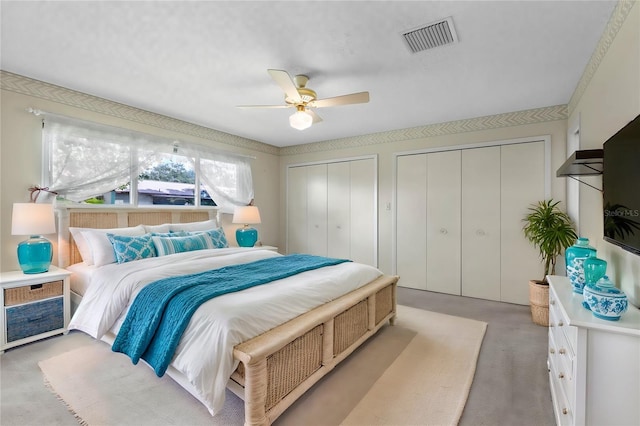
(297,210)
(317,209)
(411,222)
(363,208)
(339,210)
(481,223)
(443,222)
(331,210)
(522,184)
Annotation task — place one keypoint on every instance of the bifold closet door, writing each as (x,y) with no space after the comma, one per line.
(428,221)
(307,210)
(411,221)
(339,210)
(481,223)
(351,187)
(317,209)
(331,210)
(297,210)
(522,184)
(443,221)
(363,217)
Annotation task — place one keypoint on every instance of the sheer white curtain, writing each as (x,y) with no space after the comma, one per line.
(85,159)
(226,178)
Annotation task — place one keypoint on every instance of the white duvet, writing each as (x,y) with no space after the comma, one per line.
(205,353)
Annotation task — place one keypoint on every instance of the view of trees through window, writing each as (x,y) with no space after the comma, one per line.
(170,180)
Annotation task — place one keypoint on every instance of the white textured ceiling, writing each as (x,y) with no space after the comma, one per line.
(196,61)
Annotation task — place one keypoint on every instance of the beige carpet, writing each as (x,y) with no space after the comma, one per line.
(417,372)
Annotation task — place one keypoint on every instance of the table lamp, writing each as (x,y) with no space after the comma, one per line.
(34,254)
(246,215)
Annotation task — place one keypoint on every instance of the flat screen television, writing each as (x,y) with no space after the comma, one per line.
(621,187)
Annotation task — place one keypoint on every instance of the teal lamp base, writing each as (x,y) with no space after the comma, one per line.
(246,237)
(35,254)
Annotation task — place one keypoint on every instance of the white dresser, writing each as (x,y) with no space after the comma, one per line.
(594,364)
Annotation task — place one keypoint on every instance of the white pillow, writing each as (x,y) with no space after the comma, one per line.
(160,229)
(81,243)
(101,249)
(206,225)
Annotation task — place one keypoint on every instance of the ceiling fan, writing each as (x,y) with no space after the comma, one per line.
(297,95)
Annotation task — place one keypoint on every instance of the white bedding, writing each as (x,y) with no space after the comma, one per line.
(205,353)
(80,277)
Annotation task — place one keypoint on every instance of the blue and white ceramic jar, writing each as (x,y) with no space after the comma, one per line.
(574,259)
(604,300)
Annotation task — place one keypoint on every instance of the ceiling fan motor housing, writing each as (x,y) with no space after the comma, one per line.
(306,94)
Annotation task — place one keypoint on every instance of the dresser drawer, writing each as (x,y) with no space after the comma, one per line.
(566,335)
(34,318)
(561,364)
(31,293)
(563,410)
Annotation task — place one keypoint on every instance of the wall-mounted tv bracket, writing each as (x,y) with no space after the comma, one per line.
(586,162)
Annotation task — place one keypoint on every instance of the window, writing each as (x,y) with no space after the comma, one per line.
(93,163)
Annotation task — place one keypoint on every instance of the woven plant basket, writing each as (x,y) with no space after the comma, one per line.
(539,301)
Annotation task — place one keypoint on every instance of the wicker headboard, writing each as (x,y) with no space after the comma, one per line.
(116,217)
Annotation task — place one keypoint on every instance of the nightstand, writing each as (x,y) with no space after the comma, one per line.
(34,306)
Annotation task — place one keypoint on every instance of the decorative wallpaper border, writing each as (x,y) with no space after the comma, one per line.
(28,86)
(517,118)
(618,16)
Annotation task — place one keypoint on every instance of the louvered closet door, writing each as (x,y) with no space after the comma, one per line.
(443,221)
(481,223)
(297,210)
(522,184)
(411,221)
(317,209)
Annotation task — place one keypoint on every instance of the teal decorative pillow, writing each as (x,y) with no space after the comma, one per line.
(170,245)
(130,248)
(170,234)
(218,239)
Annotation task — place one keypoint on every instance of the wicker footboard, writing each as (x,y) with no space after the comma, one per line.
(278,366)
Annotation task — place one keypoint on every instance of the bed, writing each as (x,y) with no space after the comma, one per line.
(285,350)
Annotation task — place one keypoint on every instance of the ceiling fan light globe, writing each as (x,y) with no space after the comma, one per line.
(300,120)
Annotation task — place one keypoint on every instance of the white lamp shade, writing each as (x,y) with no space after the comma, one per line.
(32,219)
(246,215)
(300,120)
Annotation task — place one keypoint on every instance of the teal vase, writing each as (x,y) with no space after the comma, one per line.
(594,269)
(574,259)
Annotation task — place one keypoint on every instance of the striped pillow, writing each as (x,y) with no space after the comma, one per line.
(218,238)
(170,245)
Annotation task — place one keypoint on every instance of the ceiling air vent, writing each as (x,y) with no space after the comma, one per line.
(432,35)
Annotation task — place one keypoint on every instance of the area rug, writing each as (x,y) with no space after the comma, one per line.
(416,372)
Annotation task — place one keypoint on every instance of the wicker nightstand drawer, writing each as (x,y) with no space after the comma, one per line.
(30,293)
(34,318)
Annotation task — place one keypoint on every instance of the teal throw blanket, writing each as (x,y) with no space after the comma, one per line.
(162,310)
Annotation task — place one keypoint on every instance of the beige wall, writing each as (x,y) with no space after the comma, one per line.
(556,129)
(20,161)
(610,100)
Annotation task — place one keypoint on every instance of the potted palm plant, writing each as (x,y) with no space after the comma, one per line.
(551,231)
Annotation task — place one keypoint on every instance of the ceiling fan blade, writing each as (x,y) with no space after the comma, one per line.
(316,117)
(354,98)
(283,79)
(264,106)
